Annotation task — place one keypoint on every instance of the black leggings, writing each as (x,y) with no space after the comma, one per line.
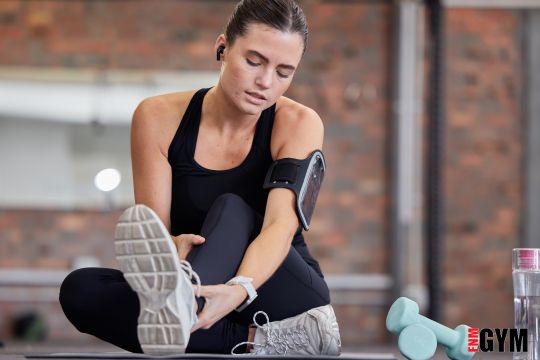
(99,301)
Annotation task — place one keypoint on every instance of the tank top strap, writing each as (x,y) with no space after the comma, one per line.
(264,133)
(184,136)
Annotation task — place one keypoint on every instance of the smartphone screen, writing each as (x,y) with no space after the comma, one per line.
(314,179)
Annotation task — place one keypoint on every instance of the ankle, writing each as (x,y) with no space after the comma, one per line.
(251,337)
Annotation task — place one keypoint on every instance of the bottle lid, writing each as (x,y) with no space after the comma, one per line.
(526,259)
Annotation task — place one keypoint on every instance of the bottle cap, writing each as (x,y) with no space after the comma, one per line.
(526,259)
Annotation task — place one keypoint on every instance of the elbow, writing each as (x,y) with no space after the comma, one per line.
(283,229)
(292,228)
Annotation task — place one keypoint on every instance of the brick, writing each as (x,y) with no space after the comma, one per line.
(483,145)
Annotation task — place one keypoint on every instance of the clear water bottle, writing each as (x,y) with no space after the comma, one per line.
(526,279)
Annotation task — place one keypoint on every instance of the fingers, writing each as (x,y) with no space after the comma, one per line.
(204,290)
(199,325)
(197,239)
(188,238)
(204,325)
(218,304)
(197,290)
(205,321)
(185,242)
(192,238)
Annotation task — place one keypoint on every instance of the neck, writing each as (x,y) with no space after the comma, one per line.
(220,112)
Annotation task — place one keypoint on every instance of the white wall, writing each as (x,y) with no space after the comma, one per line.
(52,165)
(50,150)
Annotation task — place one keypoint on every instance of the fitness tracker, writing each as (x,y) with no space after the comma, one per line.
(247,283)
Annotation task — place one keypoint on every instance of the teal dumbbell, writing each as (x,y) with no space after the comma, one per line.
(417,342)
(404,312)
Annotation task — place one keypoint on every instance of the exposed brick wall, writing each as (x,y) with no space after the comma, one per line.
(111,34)
(180,35)
(51,240)
(483,165)
(351,58)
(345,76)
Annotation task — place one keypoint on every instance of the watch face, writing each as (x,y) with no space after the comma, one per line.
(310,189)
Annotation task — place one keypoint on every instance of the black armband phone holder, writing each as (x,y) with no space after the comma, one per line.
(303,177)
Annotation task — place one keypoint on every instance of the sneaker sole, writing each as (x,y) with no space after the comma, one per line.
(149,262)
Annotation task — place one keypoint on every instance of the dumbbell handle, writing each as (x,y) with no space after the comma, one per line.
(445,336)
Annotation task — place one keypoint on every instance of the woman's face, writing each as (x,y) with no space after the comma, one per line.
(258,68)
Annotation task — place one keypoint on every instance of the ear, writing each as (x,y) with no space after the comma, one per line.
(219,46)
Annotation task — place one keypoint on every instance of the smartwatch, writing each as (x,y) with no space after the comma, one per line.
(247,283)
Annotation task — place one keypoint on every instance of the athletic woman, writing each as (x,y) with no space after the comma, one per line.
(200,160)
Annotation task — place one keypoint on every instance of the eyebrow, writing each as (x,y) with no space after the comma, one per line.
(265,59)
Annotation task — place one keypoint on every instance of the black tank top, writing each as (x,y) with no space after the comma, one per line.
(194,188)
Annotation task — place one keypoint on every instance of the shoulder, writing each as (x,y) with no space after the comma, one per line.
(294,118)
(158,117)
(291,114)
(164,106)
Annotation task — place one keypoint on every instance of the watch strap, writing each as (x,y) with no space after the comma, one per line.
(246,283)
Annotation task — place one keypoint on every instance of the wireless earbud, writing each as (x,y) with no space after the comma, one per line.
(219,52)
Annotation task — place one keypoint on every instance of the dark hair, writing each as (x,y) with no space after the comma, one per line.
(283,15)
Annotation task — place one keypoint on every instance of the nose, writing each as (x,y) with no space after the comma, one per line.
(264,78)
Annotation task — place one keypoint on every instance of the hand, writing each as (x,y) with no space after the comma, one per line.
(220,300)
(185,242)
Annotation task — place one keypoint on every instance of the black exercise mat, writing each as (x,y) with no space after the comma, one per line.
(126,355)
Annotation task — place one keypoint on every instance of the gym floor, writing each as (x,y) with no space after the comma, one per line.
(16,351)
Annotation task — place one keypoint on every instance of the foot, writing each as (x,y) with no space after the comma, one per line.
(149,260)
(314,332)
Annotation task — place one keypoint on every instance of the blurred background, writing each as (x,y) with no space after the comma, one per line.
(431,112)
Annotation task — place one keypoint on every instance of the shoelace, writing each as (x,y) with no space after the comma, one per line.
(186,266)
(281,340)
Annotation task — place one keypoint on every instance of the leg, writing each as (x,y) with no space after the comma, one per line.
(91,301)
(305,290)
(219,339)
(149,262)
(100,302)
(229,228)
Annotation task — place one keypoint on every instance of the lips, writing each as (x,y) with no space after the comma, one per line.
(256,95)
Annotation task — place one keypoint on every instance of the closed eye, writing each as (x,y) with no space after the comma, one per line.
(252,63)
(284,76)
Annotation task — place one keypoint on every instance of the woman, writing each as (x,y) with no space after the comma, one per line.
(199,163)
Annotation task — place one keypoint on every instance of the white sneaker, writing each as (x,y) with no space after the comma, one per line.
(149,260)
(314,332)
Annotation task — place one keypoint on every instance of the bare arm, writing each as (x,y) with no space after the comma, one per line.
(269,249)
(151,170)
(155,122)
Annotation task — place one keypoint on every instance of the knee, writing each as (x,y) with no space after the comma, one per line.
(74,298)
(230,206)
(233,204)
(228,200)
(70,289)
(227,204)
(230,211)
